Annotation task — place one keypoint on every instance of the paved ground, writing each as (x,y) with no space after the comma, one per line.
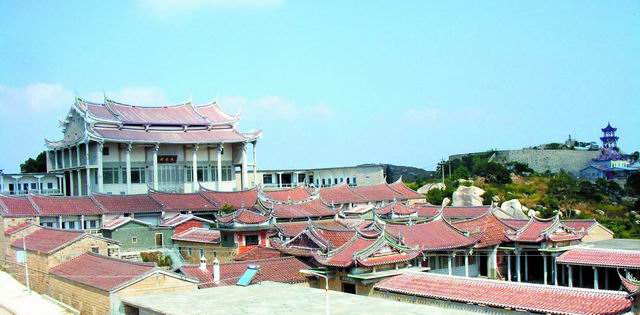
(14,299)
(276,298)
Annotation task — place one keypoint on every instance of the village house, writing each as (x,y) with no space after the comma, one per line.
(279,269)
(135,235)
(46,248)
(95,284)
(244,229)
(140,206)
(195,243)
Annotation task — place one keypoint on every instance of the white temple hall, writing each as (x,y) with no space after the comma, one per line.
(119,148)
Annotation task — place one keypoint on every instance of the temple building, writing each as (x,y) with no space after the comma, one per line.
(611,164)
(125,149)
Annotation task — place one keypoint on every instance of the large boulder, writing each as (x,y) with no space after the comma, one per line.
(514,209)
(425,189)
(467,196)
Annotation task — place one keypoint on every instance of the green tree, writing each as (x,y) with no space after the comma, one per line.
(37,165)
(494,173)
(461,172)
(227,208)
(633,184)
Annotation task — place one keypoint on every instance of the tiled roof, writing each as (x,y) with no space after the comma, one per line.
(378,192)
(312,209)
(462,213)
(236,199)
(291,229)
(118,222)
(17,228)
(601,257)
(48,240)
(101,272)
(284,195)
(314,238)
(396,208)
(16,206)
(433,235)
(426,210)
(198,235)
(504,294)
(47,205)
(340,194)
(366,251)
(282,269)
(182,202)
(516,224)
(405,191)
(118,204)
(631,286)
(488,229)
(258,252)
(242,216)
(175,136)
(181,218)
(538,230)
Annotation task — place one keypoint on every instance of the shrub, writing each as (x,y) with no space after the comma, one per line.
(156,257)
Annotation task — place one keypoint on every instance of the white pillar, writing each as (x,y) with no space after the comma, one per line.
(279,179)
(55,159)
(255,166)
(64,165)
(77,154)
(100,168)
(155,166)
(60,222)
(544,264)
(128,166)
(466,264)
(79,182)
(86,157)
(2,188)
(194,166)
(570,275)
(508,266)
(219,165)
(596,285)
(450,265)
(82,222)
(518,265)
(64,184)
(244,167)
(39,178)
(71,184)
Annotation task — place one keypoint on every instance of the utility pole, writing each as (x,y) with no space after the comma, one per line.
(26,268)
(442,164)
(449,166)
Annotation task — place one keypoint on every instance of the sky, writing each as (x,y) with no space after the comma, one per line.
(332,83)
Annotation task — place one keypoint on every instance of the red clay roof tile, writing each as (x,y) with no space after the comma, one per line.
(614,258)
(118,204)
(48,240)
(198,235)
(48,205)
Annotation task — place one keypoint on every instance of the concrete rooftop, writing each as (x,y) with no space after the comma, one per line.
(275,298)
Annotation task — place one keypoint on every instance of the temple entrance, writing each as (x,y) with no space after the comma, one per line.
(483,265)
(286,180)
(348,288)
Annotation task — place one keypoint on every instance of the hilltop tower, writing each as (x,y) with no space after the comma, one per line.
(609,138)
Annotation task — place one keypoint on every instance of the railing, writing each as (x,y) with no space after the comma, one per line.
(48,192)
(287,185)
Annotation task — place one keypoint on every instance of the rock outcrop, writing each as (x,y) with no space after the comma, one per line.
(514,209)
(467,196)
(425,189)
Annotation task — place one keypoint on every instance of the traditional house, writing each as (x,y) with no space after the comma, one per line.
(69,213)
(288,230)
(445,248)
(315,238)
(590,229)
(244,229)
(176,203)
(289,195)
(16,210)
(196,243)
(477,295)
(313,209)
(46,248)
(259,252)
(182,222)
(135,235)
(142,207)
(243,199)
(95,284)
(397,212)
(10,234)
(281,269)
(362,261)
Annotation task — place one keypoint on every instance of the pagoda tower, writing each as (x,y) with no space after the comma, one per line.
(609,138)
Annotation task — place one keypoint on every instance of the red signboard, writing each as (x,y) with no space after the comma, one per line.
(167,159)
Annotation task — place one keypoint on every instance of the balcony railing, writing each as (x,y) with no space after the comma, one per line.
(48,192)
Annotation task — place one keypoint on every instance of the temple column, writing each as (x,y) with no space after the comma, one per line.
(450,264)
(39,178)
(570,274)
(219,170)
(526,267)
(245,173)
(128,167)
(508,266)
(555,271)
(279,179)
(606,279)
(194,166)
(155,166)
(596,285)
(55,159)
(71,184)
(64,165)
(60,222)
(78,154)
(466,264)
(544,264)
(255,166)
(100,168)
(79,173)
(518,265)
(86,157)
(82,222)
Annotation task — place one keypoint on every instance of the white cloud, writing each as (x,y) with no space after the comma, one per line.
(275,108)
(135,95)
(35,98)
(168,8)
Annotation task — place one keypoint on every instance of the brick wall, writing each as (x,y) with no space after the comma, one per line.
(87,300)
(211,251)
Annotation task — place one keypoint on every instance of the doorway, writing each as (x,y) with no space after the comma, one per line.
(159,240)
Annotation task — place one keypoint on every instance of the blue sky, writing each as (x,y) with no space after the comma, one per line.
(333,82)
